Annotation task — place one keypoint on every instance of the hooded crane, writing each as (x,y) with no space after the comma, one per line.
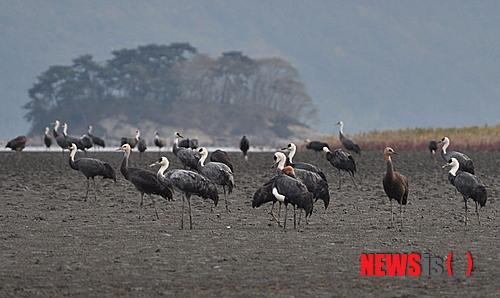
(131,141)
(433,146)
(317,146)
(47,140)
(17,143)
(188,143)
(466,164)
(159,142)
(468,185)
(95,139)
(313,181)
(90,167)
(142,145)
(217,172)
(187,156)
(187,182)
(87,142)
(71,139)
(244,146)
(60,139)
(222,156)
(144,181)
(341,160)
(263,195)
(301,165)
(395,185)
(288,189)
(349,144)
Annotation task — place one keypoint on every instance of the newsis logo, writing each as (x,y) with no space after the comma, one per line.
(412,264)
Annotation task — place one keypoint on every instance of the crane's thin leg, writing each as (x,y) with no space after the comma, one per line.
(274,215)
(294,219)
(87,190)
(284,220)
(95,189)
(225,198)
(392,215)
(354,181)
(465,220)
(182,217)
(190,216)
(340,180)
(477,212)
(401,214)
(154,205)
(141,205)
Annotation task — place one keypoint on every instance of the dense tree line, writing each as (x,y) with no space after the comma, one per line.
(173,85)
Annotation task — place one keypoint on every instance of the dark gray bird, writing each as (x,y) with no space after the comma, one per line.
(433,146)
(301,165)
(131,141)
(468,185)
(87,142)
(95,139)
(313,181)
(288,189)
(221,156)
(217,172)
(466,164)
(395,185)
(188,143)
(317,146)
(144,181)
(187,182)
(70,139)
(187,157)
(17,143)
(90,167)
(244,146)
(341,160)
(159,142)
(60,139)
(47,140)
(348,143)
(263,195)
(142,145)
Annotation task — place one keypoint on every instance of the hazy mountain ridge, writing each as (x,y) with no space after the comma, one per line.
(374,65)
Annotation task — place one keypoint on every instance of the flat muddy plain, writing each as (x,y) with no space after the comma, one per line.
(53,243)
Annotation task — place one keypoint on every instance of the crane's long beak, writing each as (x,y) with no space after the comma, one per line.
(445,165)
(154,164)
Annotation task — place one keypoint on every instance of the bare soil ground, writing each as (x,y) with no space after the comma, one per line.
(53,243)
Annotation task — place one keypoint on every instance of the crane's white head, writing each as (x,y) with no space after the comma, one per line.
(326,149)
(47,130)
(125,147)
(454,164)
(388,151)
(178,135)
(340,123)
(163,161)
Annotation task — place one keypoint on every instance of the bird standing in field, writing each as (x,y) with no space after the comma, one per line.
(466,164)
(47,140)
(263,195)
(348,143)
(17,143)
(222,156)
(313,181)
(301,165)
(187,182)
(95,139)
(90,167)
(468,185)
(159,142)
(187,157)
(395,185)
(144,181)
(217,172)
(70,139)
(60,139)
(317,146)
(288,189)
(244,146)
(142,145)
(433,146)
(131,141)
(341,160)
